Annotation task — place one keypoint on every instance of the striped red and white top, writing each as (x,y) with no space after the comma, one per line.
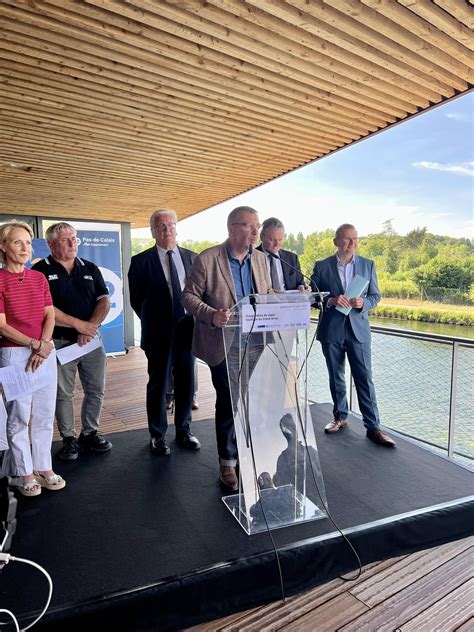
(23,297)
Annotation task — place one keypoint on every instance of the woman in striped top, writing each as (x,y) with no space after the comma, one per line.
(26,326)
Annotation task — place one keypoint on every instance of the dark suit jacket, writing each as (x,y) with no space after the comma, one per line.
(151,298)
(326,278)
(293,279)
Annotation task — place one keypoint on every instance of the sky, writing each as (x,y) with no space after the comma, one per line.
(418,173)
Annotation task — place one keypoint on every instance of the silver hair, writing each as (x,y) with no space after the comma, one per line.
(342,227)
(6,229)
(159,212)
(235,214)
(271,222)
(52,232)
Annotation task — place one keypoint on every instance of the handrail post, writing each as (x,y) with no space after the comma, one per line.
(452,399)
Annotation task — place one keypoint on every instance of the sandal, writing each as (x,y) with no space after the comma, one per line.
(27,488)
(53,483)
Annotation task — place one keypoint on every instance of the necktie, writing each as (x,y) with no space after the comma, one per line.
(178,309)
(274,274)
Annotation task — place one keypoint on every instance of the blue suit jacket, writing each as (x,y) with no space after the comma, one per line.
(326,278)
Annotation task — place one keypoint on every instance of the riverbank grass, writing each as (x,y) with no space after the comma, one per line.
(425,311)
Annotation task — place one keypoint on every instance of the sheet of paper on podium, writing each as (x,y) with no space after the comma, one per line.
(355,289)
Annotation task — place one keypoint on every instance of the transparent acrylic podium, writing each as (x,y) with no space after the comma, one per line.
(266,343)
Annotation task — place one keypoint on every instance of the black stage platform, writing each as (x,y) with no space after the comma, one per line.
(140,542)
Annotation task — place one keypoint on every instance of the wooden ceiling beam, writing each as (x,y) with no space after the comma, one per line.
(425,36)
(462,11)
(364,95)
(441,20)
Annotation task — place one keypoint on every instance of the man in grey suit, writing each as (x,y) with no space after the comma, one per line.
(342,335)
(220,277)
(283,265)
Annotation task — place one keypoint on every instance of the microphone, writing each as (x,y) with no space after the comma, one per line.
(252,298)
(313,285)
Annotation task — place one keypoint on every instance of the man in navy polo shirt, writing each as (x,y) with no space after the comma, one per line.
(81,302)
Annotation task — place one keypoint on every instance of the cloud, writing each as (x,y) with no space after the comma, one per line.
(463,169)
(458,116)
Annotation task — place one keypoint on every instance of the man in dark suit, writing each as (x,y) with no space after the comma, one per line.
(283,277)
(342,335)
(156,279)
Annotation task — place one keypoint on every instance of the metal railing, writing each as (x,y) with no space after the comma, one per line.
(423,385)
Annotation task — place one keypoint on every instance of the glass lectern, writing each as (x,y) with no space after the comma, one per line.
(266,344)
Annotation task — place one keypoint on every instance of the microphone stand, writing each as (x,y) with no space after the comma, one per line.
(314,288)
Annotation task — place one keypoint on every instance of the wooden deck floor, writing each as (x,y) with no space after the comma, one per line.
(427,591)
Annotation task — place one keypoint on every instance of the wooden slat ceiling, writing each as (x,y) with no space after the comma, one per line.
(110,109)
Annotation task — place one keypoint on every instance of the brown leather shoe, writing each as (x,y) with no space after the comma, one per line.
(228,477)
(377,436)
(195,405)
(335,425)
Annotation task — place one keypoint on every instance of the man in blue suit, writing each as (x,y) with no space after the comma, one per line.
(284,270)
(342,335)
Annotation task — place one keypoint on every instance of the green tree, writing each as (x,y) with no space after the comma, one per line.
(139,244)
(445,273)
(197,246)
(317,246)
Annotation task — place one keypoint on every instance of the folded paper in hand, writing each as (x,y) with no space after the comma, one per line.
(356,287)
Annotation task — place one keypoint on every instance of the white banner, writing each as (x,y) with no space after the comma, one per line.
(276,316)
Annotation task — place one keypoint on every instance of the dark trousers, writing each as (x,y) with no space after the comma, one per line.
(225,434)
(225,409)
(178,357)
(359,356)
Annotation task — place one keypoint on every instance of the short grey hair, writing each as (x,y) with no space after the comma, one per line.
(271,222)
(6,229)
(342,227)
(52,232)
(235,214)
(159,212)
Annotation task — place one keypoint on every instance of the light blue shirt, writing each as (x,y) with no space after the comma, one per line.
(346,272)
(242,275)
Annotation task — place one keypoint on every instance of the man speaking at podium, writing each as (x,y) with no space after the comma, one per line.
(222,276)
(344,330)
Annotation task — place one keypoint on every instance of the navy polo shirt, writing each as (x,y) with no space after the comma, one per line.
(75,294)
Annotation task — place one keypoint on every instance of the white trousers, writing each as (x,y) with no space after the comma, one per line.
(35,410)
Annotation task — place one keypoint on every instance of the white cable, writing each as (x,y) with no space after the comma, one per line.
(5,558)
(17,627)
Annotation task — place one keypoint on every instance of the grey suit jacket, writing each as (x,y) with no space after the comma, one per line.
(210,287)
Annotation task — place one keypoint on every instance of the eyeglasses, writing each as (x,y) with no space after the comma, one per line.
(246,226)
(163,227)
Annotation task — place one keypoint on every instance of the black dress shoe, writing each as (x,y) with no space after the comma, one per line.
(159,446)
(377,436)
(188,441)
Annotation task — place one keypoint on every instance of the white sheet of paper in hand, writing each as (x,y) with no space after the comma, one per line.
(356,287)
(3,426)
(18,383)
(70,353)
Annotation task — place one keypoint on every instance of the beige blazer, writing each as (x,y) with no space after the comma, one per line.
(210,287)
